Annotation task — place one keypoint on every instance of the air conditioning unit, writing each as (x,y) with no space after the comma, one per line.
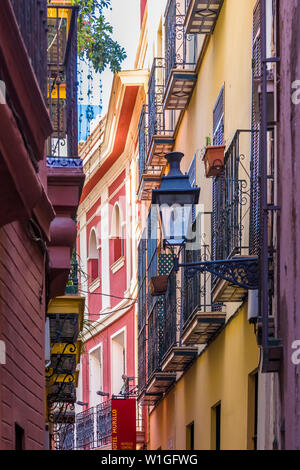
(253,306)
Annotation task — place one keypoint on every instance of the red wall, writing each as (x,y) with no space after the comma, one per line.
(94,221)
(103,338)
(117,279)
(22,323)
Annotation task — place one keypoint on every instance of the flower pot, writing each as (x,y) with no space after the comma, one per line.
(158,285)
(214,160)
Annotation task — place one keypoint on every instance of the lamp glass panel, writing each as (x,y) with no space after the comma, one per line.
(175,220)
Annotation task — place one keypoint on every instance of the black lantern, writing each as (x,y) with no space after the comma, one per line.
(175,200)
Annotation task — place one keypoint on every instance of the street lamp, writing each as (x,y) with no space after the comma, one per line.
(175,200)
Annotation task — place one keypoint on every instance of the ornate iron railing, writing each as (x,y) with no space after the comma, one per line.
(155,341)
(92,429)
(171,316)
(103,417)
(85,429)
(196,292)
(142,312)
(67,437)
(31,16)
(143,140)
(159,119)
(142,359)
(62,82)
(231,195)
(180,47)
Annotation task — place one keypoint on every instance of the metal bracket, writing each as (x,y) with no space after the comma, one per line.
(242,272)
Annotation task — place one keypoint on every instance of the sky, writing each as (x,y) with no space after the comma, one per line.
(125,20)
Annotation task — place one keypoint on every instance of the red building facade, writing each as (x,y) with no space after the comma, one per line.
(39,200)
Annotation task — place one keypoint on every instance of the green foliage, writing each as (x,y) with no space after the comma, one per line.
(95,36)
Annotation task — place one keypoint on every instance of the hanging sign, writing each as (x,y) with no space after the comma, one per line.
(123,424)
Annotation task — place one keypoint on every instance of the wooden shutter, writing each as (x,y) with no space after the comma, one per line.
(254,235)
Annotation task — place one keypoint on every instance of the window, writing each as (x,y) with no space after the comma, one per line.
(93,259)
(19,437)
(190,436)
(117,234)
(95,375)
(216,427)
(118,362)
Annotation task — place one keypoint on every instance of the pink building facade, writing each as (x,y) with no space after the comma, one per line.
(106,245)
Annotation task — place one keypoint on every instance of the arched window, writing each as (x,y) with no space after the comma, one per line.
(93,259)
(116,234)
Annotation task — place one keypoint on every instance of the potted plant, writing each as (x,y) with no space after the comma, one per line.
(158,285)
(213,159)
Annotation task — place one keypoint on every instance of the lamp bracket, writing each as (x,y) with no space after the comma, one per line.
(242,272)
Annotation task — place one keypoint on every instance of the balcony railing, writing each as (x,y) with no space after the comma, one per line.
(231,201)
(231,213)
(155,340)
(62,81)
(196,290)
(161,126)
(143,140)
(31,16)
(180,57)
(180,47)
(142,312)
(92,429)
(171,320)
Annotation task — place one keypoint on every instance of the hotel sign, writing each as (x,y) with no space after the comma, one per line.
(123,424)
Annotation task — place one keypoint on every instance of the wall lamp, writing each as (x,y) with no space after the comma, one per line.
(81,403)
(102,394)
(175,200)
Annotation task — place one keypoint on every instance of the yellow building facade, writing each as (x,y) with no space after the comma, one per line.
(222,375)
(212,403)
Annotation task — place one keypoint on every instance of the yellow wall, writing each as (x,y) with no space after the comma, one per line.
(222,371)
(219,374)
(227,61)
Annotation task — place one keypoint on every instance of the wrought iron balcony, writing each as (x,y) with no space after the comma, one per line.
(85,435)
(201,319)
(202,15)
(160,125)
(61,388)
(152,382)
(61,413)
(180,60)
(176,357)
(31,16)
(92,430)
(149,176)
(231,217)
(64,327)
(64,358)
(142,313)
(62,80)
